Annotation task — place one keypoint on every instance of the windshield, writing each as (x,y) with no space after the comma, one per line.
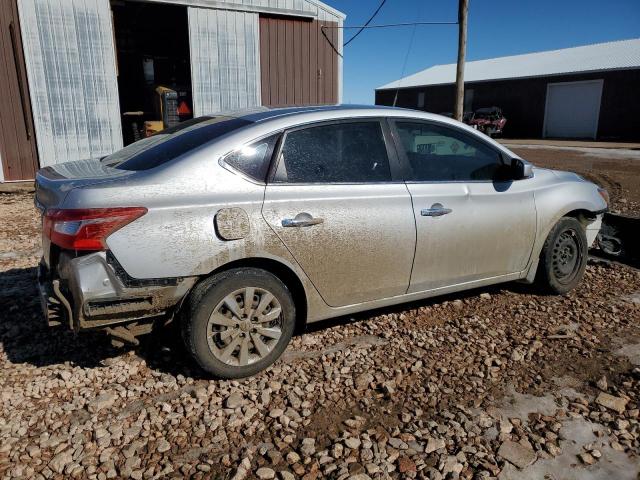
(171,143)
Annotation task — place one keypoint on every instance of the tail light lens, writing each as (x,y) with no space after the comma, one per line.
(87,229)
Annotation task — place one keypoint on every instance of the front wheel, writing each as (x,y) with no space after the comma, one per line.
(238,322)
(564,257)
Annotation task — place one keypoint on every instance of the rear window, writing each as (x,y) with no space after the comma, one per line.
(171,143)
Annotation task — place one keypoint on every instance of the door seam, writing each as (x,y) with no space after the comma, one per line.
(415,238)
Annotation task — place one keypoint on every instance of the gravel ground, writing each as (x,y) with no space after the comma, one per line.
(494,383)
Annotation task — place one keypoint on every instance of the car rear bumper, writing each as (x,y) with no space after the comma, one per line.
(93,291)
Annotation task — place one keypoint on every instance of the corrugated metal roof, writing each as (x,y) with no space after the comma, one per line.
(601,56)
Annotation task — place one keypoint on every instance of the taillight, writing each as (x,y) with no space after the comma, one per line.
(87,229)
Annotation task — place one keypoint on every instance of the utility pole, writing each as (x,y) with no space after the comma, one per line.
(463,10)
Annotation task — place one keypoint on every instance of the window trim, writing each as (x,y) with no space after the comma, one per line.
(395,168)
(404,160)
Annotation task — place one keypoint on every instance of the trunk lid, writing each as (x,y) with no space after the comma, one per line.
(53,183)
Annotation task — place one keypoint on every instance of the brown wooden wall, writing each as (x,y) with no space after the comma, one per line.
(298,65)
(17,139)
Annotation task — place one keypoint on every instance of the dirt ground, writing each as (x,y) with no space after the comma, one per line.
(616,170)
(501,383)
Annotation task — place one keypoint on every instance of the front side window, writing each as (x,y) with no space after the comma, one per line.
(438,153)
(352,152)
(253,160)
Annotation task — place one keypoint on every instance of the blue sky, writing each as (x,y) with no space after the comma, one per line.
(496,28)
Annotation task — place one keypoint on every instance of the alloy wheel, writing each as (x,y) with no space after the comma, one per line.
(245,326)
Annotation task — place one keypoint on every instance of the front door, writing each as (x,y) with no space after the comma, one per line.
(470,226)
(335,205)
(17,141)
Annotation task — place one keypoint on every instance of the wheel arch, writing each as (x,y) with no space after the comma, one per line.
(585,212)
(583,215)
(280,270)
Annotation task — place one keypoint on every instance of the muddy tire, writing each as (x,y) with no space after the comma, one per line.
(563,258)
(238,322)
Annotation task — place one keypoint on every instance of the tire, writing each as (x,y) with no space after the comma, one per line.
(563,258)
(208,338)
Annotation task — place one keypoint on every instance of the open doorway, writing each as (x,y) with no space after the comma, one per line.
(153,66)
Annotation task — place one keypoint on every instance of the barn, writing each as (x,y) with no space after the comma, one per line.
(591,91)
(82,78)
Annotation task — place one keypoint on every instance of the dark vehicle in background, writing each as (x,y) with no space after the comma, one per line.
(489,121)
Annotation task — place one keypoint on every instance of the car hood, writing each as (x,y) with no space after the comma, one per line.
(567,176)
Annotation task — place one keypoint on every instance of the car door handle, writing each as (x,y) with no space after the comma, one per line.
(435,211)
(302,220)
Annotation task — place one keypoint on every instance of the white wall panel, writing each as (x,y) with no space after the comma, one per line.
(289,7)
(225,63)
(70,60)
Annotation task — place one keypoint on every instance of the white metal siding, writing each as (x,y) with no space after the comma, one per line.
(225,63)
(306,8)
(70,60)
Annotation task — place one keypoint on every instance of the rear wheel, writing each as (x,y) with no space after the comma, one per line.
(564,257)
(238,322)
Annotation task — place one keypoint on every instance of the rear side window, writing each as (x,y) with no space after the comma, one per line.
(253,160)
(169,144)
(352,152)
(438,153)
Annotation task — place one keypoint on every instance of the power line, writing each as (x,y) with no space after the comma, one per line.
(324,34)
(406,24)
(367,23)
(404,64)
(385,25)
(406,57)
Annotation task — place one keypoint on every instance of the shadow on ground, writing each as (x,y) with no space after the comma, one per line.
(26,338)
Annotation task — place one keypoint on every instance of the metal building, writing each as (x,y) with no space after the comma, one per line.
(80,77)
(590,91)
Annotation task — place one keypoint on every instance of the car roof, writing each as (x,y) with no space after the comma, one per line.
(260,114)
(265,120)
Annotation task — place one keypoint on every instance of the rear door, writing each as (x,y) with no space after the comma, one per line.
(470,225)
(337,203)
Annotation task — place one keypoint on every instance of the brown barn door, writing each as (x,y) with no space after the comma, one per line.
(298,65)
(17,139)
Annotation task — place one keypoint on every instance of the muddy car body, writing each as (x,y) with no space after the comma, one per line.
(245,226)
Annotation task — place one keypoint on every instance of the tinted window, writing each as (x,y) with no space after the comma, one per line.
(253,160)
(172,142)
(438,153)
(342,152)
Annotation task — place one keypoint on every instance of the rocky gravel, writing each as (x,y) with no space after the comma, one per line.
(494,383)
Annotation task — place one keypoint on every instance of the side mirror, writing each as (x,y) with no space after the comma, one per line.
(521,169)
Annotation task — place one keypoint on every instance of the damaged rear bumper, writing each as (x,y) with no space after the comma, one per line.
(93,291)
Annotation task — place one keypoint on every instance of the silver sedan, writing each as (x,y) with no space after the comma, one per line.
(242,227)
